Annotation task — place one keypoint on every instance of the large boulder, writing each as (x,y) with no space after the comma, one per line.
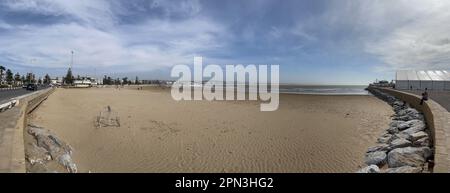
(401,112)
(38,167)
(400,136)
(49,141)
(411,123)
(376,158)
(408,156)
(402,118)
(411,111)
(414,114)
(36,130)
(369,169)
(417,123)
(406,113)
(386,138)
(56,148)
(399,143)
(395,123)
(413,130)
(404,169)
(423,142)
(35,154)
(379,147)
(399,103)
(66,161)
(420,117)
(417,136)
(392,130)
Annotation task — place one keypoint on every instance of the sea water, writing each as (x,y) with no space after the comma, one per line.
(325,89)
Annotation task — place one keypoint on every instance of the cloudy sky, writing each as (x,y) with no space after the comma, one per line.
(314,42)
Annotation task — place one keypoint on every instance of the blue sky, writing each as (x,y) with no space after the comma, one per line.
(314,42)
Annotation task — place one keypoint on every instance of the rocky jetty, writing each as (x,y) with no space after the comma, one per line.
(405,147)
(47,149)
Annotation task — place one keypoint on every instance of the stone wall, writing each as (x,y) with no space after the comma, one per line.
(438,120)
(12,153)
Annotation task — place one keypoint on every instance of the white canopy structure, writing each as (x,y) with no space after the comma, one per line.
(447,77)
(414,80)
(425,80)
(438,81)
(402,81)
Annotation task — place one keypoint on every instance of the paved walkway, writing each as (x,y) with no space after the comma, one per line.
(11,151)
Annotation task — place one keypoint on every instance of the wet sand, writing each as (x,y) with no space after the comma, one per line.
(308,133)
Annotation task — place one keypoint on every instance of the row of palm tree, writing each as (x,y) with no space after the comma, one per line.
(2,69)
(7,78)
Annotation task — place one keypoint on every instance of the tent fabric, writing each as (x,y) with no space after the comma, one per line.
(414,82)
(402,79)
(423,79)
(438,81)
(447,82)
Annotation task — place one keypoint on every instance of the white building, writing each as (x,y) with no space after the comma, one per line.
(402,81)
(420,80)
(82,83)
(445,75)
(56,81)
(85,82)
(438,81)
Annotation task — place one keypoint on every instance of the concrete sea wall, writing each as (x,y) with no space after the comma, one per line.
(12,152)
(438,121)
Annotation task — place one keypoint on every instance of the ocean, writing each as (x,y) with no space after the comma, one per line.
(325,89)
(313,89)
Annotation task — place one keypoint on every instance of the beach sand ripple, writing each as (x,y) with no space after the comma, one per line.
(157,134)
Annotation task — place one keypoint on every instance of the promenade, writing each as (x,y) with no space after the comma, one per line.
(12,153)
(441,97)
(437,115)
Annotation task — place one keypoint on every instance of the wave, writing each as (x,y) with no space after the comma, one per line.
(325,90)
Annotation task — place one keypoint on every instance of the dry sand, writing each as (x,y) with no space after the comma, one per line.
(307,133)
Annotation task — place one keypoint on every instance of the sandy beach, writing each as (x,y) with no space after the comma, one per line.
(308,133)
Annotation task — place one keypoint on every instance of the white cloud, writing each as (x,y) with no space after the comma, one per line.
(94,12)
(153,45)
(51,46)
(4,25)
(149,45)
(401,34)
(415,34)
(183,7)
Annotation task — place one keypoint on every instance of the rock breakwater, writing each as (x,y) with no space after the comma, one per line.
(47,153)
(405,147)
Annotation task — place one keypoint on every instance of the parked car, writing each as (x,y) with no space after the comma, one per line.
(32,87)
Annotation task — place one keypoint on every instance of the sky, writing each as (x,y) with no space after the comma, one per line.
(314,42)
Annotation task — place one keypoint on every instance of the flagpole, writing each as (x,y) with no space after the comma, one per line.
(71,60)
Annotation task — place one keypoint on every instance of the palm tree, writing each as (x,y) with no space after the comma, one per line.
(2,69)
(17,79)
(9,77)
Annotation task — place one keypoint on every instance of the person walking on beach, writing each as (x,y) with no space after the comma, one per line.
(424,96)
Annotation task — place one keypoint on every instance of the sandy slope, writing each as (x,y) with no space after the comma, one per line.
(157,134)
